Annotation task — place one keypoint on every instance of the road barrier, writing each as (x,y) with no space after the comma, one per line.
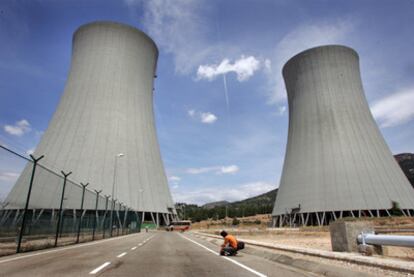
(387,240)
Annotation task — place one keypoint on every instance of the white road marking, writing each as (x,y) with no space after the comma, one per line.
(133,248)
(145,241)
(65,248)
(231,260)
(121,255)
(96,270)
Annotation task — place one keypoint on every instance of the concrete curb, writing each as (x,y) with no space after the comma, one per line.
(389,264)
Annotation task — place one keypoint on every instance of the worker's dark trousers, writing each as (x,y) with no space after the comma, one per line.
(228,251)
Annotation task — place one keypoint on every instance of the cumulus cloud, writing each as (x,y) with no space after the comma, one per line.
(233,193)
(208,118)
(20,128)
(231,169)
(395,109)
(244,68)
(297,40)
(203,117)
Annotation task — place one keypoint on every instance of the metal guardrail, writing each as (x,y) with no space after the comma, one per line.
(389,240)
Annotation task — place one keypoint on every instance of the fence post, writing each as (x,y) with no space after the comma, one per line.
(65,176)
(35,161)
(96,213)
(106,210)
(125,218)
(112,214)
(119,219)
(81,208)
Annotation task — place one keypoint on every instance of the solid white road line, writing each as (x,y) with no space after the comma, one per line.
(65,248)
(231,260)
(96,270)
(121,255)
(133,248)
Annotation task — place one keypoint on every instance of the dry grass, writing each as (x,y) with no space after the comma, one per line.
(308,237)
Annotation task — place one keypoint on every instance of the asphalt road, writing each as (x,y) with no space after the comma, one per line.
(144,254)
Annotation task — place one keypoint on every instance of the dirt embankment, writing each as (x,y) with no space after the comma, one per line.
(256,228)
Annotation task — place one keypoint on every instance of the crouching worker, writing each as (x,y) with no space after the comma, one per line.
(230,245)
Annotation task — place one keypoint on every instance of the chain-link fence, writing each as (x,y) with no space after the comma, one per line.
(47,209)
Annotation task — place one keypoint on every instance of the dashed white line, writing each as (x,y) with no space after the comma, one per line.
(231,260)
(65,248)
(121,255)
(96,270)
(140,244)
(133,248)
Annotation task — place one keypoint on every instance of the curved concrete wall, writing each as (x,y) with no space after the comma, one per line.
(336,158)
(106,109)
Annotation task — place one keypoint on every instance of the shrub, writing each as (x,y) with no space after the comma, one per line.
(235,221)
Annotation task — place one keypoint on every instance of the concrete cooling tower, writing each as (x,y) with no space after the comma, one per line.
(337,163)
(103,129)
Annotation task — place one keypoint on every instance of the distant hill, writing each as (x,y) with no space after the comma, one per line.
(406,162)
(215,204)
(267,198)
(260,204)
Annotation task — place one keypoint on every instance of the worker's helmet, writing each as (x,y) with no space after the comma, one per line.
(223,233)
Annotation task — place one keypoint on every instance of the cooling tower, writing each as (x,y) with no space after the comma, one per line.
(337,162)
(103,129)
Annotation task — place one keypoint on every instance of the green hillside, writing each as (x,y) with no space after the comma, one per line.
(260,204)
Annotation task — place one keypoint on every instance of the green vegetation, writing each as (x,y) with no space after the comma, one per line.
(261,204)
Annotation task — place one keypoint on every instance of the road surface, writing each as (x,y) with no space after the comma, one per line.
(143,254)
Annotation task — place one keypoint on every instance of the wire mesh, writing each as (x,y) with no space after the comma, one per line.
(49,207)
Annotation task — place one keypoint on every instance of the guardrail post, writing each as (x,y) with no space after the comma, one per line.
(81,208)
(65,176)
(19,242)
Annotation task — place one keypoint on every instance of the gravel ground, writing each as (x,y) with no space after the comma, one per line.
(347,265)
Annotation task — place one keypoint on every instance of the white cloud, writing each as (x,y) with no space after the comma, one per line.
(203,117)
(174,178)
(395,109)
(8,176)
(20,128)
(30,151)
(179,27)
(191,113)
(201,170)
(233,193)
(281,110)
(244,67)
(208,118)
(231,169)
(299,39)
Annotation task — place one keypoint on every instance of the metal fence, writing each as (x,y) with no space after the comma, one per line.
(26,227)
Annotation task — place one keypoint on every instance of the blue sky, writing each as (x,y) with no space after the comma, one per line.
(220,101)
